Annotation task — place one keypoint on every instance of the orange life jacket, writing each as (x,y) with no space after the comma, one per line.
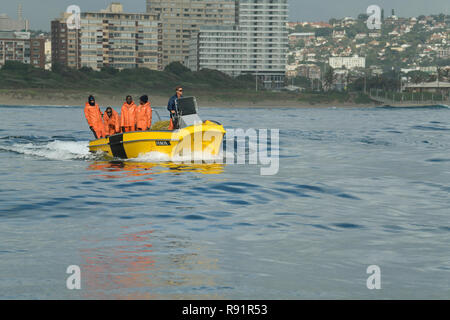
(94,119)
(144,116)
(128,115)
(112,125)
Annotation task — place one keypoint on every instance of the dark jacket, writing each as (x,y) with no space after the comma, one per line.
(172,104)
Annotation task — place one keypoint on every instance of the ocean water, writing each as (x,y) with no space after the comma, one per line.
(355,188)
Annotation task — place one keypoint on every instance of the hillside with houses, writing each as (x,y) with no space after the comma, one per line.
(344,54)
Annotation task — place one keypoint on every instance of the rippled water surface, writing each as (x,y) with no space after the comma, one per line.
(356,187)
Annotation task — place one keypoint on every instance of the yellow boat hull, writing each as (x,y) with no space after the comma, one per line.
(205,138)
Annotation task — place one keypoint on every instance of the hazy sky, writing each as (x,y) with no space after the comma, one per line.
(40,12)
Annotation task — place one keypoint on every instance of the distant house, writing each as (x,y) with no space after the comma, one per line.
(292,25)
(429,70)
(437,37)
(310,71)
(434,87)
(398,49)
(305,36)
(376,70)
(444,53)
(374,35)
(347,62)
(361,36)
(348,21)
(320,25)
(394,33)
(338,34)
(291,70)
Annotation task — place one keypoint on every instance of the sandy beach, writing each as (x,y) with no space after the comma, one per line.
(37,97)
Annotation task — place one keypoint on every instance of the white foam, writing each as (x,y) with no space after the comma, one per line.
(162,157)
(152,157)
(79,150)
(55,150)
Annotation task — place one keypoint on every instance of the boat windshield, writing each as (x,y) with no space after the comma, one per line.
(187,106)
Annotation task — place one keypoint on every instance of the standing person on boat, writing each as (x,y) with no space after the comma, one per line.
(111,120)
(173,107)
(94,118)
(143,114)
(128,115)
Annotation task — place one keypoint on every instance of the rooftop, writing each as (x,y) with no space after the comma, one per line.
(435,84)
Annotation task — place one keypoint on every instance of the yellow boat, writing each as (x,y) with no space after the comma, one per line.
(194,136)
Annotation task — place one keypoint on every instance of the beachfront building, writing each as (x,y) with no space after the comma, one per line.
(182,18)
(65,43)
(109,38)
(120,40)
(257,44)
(19,46)
(347,62)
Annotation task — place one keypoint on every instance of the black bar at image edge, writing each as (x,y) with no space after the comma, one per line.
(232,309)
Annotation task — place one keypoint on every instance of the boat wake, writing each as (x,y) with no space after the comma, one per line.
(52,150)
(79,150)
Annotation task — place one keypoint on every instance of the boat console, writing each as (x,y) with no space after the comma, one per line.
(188,112)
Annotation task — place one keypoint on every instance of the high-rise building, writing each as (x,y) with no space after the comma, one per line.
(65,44)
(8,24)
(257,44)
(19,46)
(183,18)
(109,38)
(120,40)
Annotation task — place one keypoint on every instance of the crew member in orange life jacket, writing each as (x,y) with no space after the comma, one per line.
(94,118)
(128,115)
(111,120)
(143,115)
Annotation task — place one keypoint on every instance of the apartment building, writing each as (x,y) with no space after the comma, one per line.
(257,44)
(182,19)
(19,46)
(65,43)
(109,38)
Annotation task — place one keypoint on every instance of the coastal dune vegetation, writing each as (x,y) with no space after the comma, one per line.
(20,81)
